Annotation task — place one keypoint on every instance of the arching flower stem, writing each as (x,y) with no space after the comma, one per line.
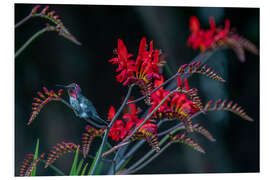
(30,40)
(105,137)
(151,152)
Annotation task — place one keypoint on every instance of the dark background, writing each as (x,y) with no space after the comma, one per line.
(51,60)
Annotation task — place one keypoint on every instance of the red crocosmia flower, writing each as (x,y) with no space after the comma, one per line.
(194,24)
(180,84)
(157,97)
(111,113)
(118,130)
(178,106)
(143,72)
(131,117)
(148,127)
(125,65)
(224,32)
(205,39)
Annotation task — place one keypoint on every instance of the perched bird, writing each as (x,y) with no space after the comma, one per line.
(82,106)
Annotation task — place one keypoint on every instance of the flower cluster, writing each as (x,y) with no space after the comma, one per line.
(59,150)
(177,106)
(124,127)
(54,19)
(205,39)
(29,164)
(88,137)
(218,37)
(143,71)
(39,103)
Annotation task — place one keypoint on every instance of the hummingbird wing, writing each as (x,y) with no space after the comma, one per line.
(88,107)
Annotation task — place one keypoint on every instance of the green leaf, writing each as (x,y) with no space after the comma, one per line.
(79,166)
(94,161)
(84,169)
(35,158)
(73,171)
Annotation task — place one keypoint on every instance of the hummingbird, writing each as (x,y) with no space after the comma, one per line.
(82,106)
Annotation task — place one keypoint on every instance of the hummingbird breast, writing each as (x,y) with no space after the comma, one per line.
(75,103)
(83,106)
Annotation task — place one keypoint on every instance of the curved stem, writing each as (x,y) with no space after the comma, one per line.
(129,154)
(23,21)
(163,140)
(105,137)
(114,148)
(150,159)
(180,125)
(28,42)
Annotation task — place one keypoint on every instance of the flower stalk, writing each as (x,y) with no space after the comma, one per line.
(30,40)
(105,137)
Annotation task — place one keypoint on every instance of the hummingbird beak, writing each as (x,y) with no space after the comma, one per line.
(59,85)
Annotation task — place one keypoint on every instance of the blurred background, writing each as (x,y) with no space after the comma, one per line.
(51,60)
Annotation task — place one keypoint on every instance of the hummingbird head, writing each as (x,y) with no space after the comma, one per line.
(73,90)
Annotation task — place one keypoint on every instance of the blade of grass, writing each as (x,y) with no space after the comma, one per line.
(35,158)
(74,165)
(84,169)
(79,166)
(94,161)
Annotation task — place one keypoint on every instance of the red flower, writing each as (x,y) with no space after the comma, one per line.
(143,72)
(176,107)
(125,65)
(121,128)
(205,39)
(111,113)
(157,97)
(148,127)
(117,130)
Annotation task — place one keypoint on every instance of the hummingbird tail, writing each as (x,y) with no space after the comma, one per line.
(100,120)
(95,124)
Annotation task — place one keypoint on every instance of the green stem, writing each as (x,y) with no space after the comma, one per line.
(163,140)
(29,41)
(150,159)
(171,129)
(105,137)
(129,154)
(23,21)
